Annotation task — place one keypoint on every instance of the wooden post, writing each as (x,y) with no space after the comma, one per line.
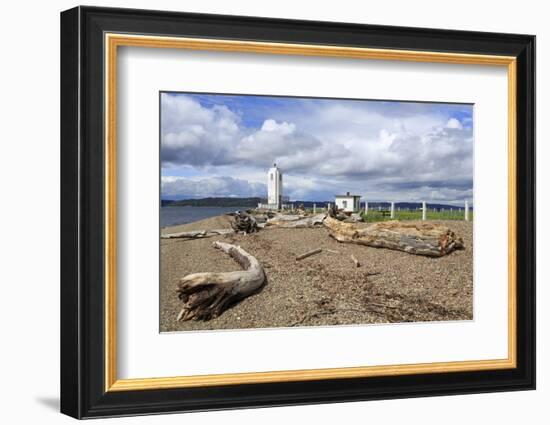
(392,210)
(423,210)
(314,209)
(366,208)
(379,208)
(466,211)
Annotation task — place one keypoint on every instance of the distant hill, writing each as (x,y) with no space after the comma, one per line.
(253,203)
(214,202)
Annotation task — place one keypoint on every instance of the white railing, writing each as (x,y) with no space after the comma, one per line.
(423,209)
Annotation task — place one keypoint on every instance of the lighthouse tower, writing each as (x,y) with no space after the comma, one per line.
(274,187)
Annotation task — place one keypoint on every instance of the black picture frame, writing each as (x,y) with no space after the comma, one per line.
(83,392)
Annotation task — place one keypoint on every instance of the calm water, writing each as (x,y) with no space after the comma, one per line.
(170,216)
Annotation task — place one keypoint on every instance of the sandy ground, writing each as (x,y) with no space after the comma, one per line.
(324,289)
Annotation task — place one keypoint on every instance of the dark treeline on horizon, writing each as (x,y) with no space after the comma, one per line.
(253,202)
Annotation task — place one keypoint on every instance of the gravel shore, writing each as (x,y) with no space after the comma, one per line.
(326,288)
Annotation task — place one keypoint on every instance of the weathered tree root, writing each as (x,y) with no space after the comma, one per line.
(244,222)
(432,240)
(207,295)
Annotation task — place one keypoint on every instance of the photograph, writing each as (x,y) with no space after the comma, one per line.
(288,211)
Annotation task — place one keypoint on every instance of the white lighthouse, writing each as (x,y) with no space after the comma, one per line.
(274,187)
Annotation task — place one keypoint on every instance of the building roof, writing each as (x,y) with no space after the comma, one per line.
(347,196)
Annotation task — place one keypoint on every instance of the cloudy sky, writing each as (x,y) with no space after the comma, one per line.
(223,145)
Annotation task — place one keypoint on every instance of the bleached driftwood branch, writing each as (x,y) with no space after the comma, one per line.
(207,295)
(428,239)
(309,254)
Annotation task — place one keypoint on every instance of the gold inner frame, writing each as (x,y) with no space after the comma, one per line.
(113,41)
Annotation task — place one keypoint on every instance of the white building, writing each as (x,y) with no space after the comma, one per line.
(347,202)
(274,189)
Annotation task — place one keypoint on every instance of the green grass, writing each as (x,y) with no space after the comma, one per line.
(374,215)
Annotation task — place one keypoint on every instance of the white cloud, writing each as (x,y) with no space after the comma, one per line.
(181,187)
(273,126)
(377,148)
(272,142)
(195,135)
(454,123)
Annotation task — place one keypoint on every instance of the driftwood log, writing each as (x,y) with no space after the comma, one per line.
(295,221)
(286,217)
(207,295)
(197,234)
(428,239)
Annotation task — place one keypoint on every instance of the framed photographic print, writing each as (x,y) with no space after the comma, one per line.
(261,212)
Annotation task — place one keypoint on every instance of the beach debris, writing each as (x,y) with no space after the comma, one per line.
(355,260)
(207,295)
(244,223)
(296,222)
(309,254)
(334,212)
(355,218)
(432,240)
(196,234)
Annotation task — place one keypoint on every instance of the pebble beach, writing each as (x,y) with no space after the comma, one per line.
(324,289)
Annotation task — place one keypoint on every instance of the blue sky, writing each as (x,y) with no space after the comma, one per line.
(222,145)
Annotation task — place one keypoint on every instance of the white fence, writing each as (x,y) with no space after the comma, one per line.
(424,209)
(391,212)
